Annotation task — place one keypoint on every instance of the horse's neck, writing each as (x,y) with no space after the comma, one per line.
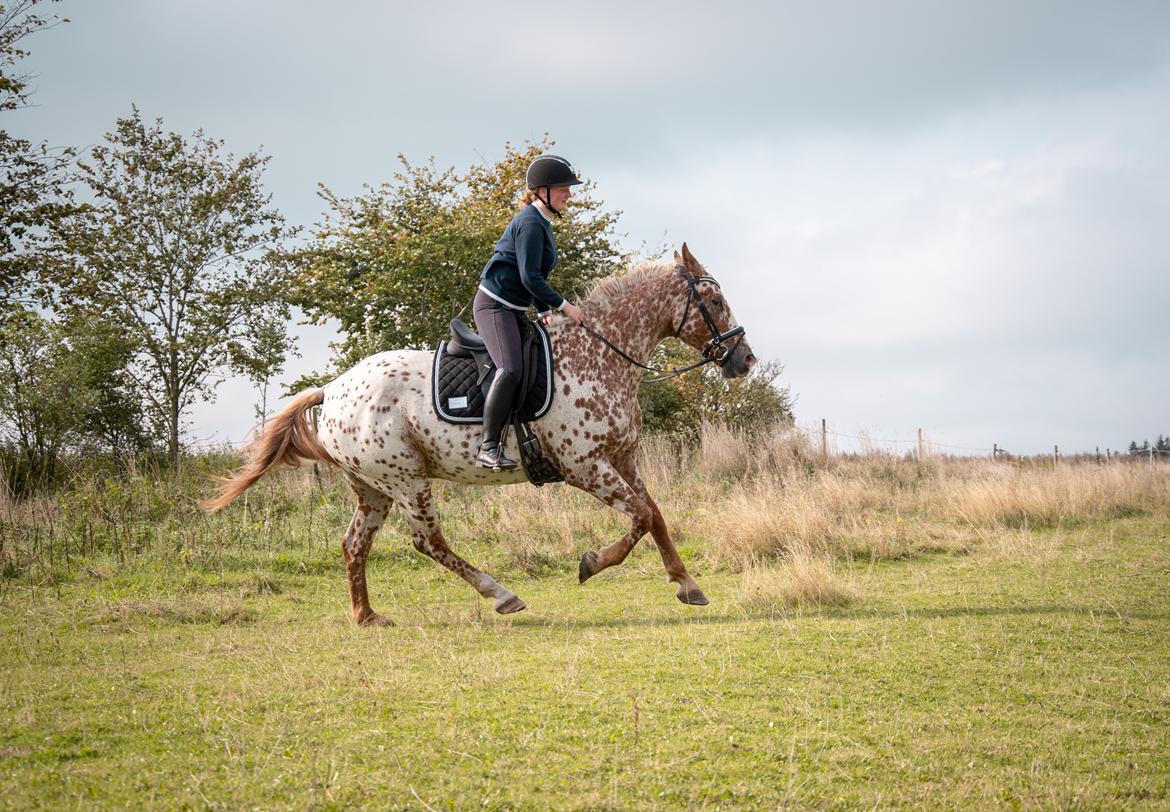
(637,321)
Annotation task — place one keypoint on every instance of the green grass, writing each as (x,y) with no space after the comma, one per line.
(988,679)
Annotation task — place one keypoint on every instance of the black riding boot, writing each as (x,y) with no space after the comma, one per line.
(497,408)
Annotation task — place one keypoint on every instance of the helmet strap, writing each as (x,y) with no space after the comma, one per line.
(547,200)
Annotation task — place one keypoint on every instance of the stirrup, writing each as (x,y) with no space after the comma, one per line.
(493,457)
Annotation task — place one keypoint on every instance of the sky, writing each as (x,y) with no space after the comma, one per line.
(952,217)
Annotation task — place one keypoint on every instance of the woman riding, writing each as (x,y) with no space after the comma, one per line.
(515,277)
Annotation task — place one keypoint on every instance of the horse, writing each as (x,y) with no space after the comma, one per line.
(378,426)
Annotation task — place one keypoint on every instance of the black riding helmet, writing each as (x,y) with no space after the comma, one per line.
(550,170)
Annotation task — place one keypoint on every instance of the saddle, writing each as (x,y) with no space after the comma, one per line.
(463,372)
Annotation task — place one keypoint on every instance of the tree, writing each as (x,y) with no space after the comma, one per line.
(272,347)
(680,405)
(395,264)
(66,390)
(42,401)
(1162,444)
(177,249)
(31,192)
(114,424)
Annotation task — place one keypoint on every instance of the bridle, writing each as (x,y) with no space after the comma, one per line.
(716,351)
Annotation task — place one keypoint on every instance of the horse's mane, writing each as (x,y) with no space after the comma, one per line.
(606,290)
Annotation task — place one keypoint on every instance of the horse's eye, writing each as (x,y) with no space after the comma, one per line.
(717,302)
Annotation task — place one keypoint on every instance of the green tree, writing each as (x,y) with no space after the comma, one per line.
(31,193)
(114,424)
(680,405)
(271,348)
(39,412)
(177,249)
(395,264)
(67,389)
(1139,450)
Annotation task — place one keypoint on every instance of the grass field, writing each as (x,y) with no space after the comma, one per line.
(913,649)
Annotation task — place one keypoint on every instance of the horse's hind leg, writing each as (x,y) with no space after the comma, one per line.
(418,503)
(371,512)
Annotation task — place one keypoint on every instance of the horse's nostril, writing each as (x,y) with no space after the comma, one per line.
(750,360)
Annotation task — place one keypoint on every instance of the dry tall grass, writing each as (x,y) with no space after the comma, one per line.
(769,507)
(760,499)
(731,501)
(804,578)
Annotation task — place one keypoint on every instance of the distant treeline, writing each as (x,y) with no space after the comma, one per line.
(1161,445)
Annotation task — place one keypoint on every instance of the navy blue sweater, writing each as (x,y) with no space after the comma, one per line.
(518,271)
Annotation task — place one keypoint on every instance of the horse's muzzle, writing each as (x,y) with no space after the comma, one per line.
(739,362)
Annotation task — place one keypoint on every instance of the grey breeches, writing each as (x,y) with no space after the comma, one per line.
(499,326)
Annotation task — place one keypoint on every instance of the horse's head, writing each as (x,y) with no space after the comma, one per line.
(706,322)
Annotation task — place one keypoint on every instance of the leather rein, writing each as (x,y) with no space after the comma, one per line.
(716,351)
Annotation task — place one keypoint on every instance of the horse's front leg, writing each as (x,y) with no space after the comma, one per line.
(676,570)
(610,484)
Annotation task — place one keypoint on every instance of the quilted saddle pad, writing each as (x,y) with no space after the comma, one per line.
(458,396)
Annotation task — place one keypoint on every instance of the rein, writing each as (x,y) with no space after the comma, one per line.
(714,351)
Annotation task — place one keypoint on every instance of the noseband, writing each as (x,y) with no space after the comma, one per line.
(716,351)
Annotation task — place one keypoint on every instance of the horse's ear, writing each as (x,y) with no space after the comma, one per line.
(689,260)
(677,259)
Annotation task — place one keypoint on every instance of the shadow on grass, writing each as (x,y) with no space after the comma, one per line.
(794,614)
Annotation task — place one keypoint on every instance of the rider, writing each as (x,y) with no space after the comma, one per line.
(514,278)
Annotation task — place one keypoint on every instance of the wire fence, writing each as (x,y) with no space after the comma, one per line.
(864,438)
(923,446)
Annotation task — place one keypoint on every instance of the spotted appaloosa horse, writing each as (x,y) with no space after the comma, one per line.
(378,425)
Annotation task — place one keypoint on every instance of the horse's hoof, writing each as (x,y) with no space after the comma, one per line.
(507,606)
(588,567)
(375,619)
(693,597)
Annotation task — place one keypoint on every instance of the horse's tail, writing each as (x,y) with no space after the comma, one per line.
(288,438)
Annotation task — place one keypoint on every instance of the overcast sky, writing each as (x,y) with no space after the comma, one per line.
(938,215)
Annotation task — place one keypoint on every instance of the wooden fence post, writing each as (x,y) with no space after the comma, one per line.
(824,440)
(921,455)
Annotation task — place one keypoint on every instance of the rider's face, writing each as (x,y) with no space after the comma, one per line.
(559,196)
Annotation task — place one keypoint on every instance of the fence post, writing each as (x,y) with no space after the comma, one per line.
(1151,458)
(824,440)
(921,456)
(1055,455)
(995,451)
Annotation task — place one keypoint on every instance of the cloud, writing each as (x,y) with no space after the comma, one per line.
(948,213)
(1003,267)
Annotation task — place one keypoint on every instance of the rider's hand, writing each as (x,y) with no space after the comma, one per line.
(572,311)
